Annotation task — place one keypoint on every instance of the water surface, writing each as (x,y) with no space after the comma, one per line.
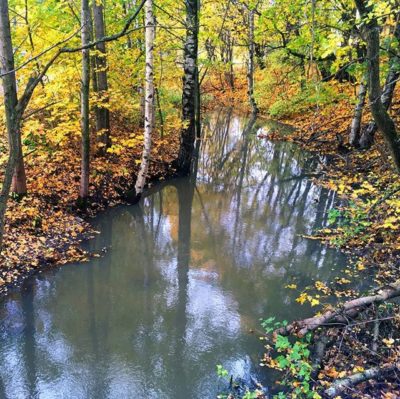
(185,280)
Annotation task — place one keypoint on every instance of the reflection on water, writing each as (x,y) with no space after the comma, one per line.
(187,277)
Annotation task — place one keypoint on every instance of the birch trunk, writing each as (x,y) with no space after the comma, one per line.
(250,65)
(85,87)
(190,88)
(381,117)
(102,112)
(10,103)
(149,98)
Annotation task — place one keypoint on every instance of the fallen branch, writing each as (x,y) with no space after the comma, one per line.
(374,373)
(341,314)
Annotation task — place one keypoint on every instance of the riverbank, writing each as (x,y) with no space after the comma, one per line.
(367,227)
(45,228)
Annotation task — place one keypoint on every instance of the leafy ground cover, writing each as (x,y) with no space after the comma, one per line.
(45,228)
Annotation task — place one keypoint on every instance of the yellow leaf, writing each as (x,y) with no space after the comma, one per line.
(291,286)
(314,302)
(302,298)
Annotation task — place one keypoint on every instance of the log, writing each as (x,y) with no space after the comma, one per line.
(374,373)
(341,314)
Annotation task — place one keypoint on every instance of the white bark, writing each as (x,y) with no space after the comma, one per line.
(190,89)
(149,97)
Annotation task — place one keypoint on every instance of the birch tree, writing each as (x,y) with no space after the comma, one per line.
(250,62)
(149,98)
(190,87)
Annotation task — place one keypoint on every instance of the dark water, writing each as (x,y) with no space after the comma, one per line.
(188,276)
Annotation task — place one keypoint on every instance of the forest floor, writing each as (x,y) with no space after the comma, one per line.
(45,228)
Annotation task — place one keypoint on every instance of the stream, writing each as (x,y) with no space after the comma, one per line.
(183,282)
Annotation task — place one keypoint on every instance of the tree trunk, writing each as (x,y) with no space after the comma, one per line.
(260,55)
(85,87)
(10,102)
(227,57)
(102,112)
(19,177)
(198,105)
(190,86)
(93,60)
(142,102)
(355,130)
(18,181)
(149,98)
(250,65)
(381,117)
(368,136)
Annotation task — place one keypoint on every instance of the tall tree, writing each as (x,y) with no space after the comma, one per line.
(381,117)
(10,102)
(367,136)
(190,87)
(85,88)
(14,107)
(149,98)
(250,61)
(102,111)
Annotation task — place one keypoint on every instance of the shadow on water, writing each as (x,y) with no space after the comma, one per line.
(188,275)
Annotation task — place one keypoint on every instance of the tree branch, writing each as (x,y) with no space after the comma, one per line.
(371,374)
(341,314)
(92,44)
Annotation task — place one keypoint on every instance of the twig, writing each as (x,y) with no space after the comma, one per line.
(35,111)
